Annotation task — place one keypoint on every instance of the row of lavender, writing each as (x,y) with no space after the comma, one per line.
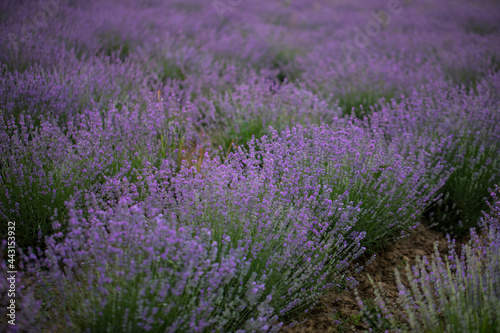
(161,236)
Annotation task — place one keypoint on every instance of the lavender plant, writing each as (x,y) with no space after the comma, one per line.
(291,226)
(69,90)
(288,242)
(467,127)
(43,167)
(39,172)
(458,294)
(357,167)
(180,281)
(252,108)
(38,93)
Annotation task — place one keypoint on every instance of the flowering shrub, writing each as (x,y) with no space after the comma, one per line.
(38,93)
(322,164)
(43,167)
(181,280)
(458,294)
(252,108)
(293,231)
(468,128)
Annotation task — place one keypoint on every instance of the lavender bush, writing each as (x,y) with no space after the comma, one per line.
(252,108)
(467,127)
(183,280)
(458,294)
(43,167)
(358,167)
(38,93)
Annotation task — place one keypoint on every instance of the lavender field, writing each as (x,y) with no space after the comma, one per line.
(250,166)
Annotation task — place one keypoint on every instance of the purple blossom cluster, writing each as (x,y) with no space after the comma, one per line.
(207,166)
